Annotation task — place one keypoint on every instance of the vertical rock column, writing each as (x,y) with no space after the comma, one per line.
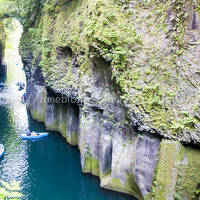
(105,154)
(2,66)
(167,170)
(35,101)
(134,159)
(62,112)
(145,160)
(2,48)
(121,177)
(89,143)
(177,172)
(72,123)
(52,116)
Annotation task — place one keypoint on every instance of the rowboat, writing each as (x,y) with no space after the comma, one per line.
(33,136)
(1,150)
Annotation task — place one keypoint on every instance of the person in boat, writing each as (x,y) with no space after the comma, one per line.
(24,97)
(28,133)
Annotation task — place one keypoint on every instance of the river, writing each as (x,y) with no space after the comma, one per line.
(47,169)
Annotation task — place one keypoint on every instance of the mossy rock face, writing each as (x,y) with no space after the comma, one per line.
(86,168)
(144,48)
(52,126)
(61,110)
(91,165)
(72,139)
(166,170)
(52,116)
(62,128)
(41,103)
(41,117)
(133,164)
(188,174)
(36,102)
(177,174)
(95,167)
(33,113)
(130,64)
(129,187)
(72,120)
(2,48)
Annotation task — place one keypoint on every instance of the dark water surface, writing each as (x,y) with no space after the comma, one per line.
(47,169)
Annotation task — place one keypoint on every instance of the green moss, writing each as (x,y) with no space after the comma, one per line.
(189,174)
(197,191)
(74,139)
(177,168)
(95,166)
(2,38)
(198,9)
(38,110)
(108,173)
(33,113)
(40,117)
(130,187)
(91,165)
(147,74)
(166,170)
(71,137)
(52,126)
(87,164)
(149,85)
(62,128)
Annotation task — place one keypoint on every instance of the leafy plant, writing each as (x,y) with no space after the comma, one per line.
(197,191)
(198,8)
(177,196)
(10,190)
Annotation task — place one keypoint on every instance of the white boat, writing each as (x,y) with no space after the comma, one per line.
(33,135)
(1,150)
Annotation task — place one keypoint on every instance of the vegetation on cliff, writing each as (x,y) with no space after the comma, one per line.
(149,48)
(2,44)
(145,44)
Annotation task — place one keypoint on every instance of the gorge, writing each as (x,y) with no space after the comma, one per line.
(120,80)
(44,168)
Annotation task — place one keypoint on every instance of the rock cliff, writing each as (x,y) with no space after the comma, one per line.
(120,79)
(2,47)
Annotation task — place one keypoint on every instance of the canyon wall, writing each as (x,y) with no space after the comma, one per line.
(139,164)
(120,79)
(2,48)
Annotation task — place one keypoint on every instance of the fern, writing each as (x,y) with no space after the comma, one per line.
(10,190)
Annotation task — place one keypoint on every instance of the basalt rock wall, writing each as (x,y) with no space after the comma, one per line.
(142,165)
(119,79)
(2,48)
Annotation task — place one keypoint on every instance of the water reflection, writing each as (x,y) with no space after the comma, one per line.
(13,114)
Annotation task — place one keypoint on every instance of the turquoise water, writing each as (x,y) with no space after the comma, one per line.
(47,169)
